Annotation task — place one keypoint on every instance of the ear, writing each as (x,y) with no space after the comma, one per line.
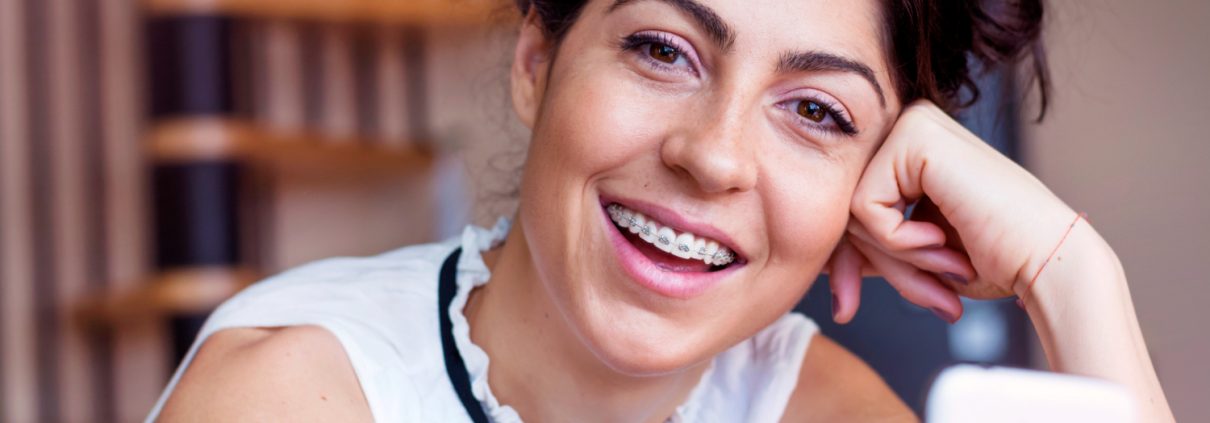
(531,61)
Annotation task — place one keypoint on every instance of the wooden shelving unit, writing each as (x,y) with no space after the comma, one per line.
(245,95)
(219,139)
(403,12)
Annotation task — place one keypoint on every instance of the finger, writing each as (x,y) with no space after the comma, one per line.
(845,280)
(916,286)
(945,262)
(887,183)
(925,210)
(867,270)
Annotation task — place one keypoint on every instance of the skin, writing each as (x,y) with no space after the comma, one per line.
(716,137)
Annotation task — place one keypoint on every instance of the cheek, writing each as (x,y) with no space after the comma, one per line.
(589,127)
(807,209)
(592,125)
(597,121)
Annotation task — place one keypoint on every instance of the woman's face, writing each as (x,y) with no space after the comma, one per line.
(746,123)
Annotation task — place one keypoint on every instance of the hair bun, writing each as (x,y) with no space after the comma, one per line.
(942,37)
(1004,29)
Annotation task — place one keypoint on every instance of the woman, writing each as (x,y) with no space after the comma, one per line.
(694,164)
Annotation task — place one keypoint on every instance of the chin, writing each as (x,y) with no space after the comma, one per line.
(634,347)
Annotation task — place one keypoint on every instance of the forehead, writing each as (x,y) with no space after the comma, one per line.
(851,28)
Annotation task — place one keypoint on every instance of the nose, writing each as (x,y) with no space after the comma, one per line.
(713,151)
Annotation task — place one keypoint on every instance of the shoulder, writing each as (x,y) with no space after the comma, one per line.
(346,289)
(406,264)
(338,334)
(836,385)
(297,373)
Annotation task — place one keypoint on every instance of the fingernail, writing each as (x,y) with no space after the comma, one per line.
(955,278)
(835,306)
(943,315)
(1020,303)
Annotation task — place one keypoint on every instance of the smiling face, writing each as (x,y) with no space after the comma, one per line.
(745,123)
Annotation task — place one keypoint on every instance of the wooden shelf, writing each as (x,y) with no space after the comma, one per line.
(410,12)
(324,154)
(176,292)
(214,139)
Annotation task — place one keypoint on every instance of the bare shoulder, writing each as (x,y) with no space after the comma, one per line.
(835,385)
(297,373)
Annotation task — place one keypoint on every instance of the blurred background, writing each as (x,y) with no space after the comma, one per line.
(157,156)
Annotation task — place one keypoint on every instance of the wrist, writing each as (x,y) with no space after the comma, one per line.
(1047,242)
(1081,267)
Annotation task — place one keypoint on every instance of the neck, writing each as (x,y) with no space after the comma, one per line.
(540,367)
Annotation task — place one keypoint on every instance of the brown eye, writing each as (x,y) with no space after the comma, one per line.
(663,53)
(812,110)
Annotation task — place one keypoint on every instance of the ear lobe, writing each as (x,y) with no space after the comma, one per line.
(528,74)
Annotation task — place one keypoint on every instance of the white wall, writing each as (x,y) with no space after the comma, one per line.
(1126,142)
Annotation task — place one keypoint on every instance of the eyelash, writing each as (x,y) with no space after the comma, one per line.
(633,43)
(843,123)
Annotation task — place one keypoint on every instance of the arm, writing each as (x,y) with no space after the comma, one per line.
(987,228)
(296,374)
(1097,335)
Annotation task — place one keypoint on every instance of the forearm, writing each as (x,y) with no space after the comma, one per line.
(1081,308)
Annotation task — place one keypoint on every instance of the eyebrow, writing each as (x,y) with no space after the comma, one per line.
(805,61)
(718,30)
(816,61)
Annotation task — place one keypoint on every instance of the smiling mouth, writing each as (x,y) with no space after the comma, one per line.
(668,248)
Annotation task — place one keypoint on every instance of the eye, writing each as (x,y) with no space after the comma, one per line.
(812,110)
(661,51)
(816,113)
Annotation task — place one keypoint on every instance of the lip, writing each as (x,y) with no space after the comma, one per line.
(674,285)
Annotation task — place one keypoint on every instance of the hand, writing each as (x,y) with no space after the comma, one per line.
(984,220)
(981,223)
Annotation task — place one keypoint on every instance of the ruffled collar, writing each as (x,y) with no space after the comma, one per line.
(472,273)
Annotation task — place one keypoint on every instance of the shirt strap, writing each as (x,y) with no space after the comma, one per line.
(454,366)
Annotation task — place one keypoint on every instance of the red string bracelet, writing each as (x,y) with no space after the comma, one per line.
(1030,286)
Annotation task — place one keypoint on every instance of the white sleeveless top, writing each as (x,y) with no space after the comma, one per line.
(383,310)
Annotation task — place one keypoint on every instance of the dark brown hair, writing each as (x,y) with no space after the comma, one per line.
(931,43)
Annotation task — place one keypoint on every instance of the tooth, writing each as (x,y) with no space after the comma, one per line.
(723,257)
(664,239)
(710,248)
(623,218)
(647,232)
(616,212)
(698,249)
(683,246)
(637,222)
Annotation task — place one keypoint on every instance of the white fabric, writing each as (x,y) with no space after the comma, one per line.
(383,310)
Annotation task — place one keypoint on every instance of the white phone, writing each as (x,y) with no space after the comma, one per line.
(969,393)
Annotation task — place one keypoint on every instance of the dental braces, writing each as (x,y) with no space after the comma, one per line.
(722,257)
